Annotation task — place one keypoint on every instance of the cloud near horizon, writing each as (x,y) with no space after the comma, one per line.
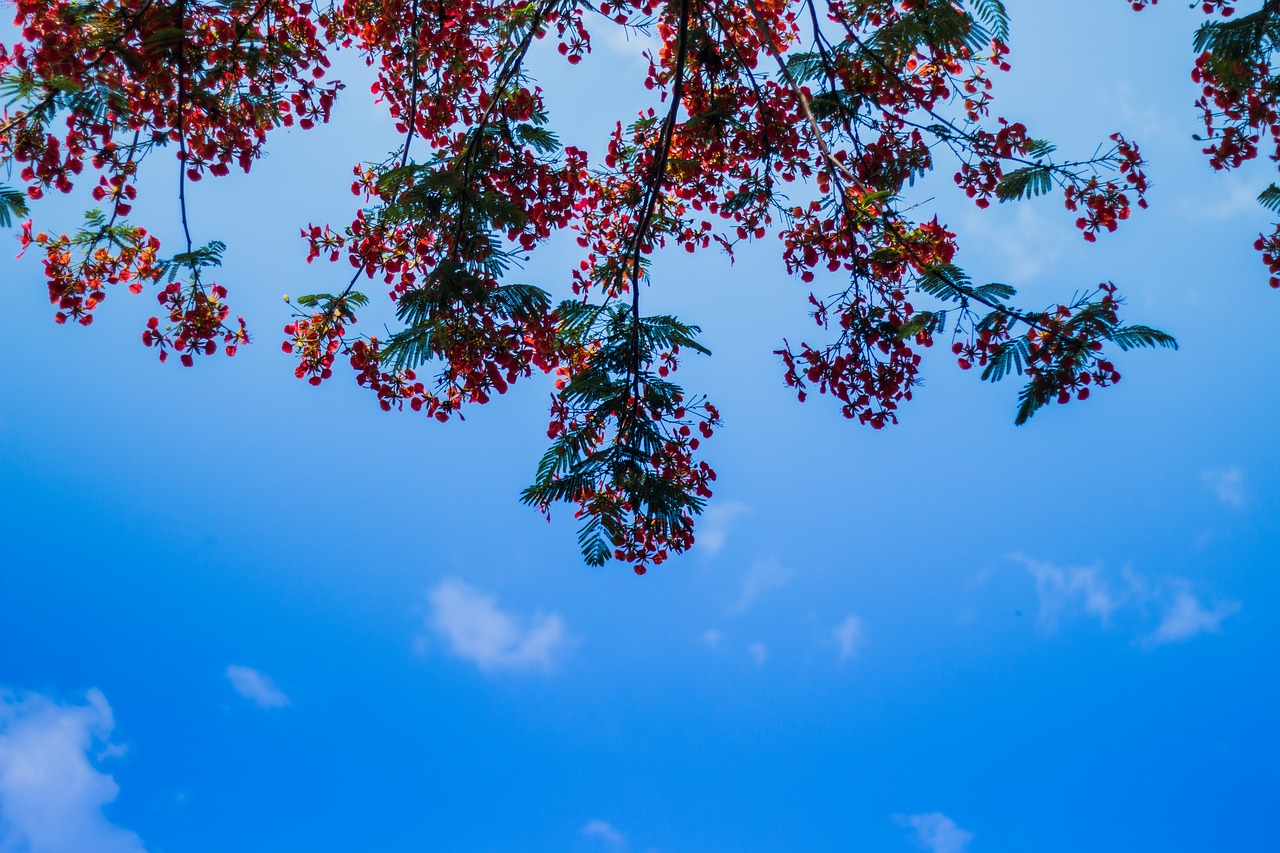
(51,794)
(935,832)
(476,630)
(603,831)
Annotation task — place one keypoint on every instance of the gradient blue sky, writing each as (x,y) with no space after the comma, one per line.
(237,612)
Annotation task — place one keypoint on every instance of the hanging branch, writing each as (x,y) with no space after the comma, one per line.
(648,205)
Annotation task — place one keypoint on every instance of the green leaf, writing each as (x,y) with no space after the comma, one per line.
(596,550)
(1027,405)
(995,292)
(994,15)
(1024,183)
(541,139)
(1033,396)
(13,204)
(1135,337)
(208,255)
(520,301)
(1039,148)
(1270,198)
(806,67)
(1007,358)
(935,25)
(15,87)
(390,182)
(163,39)
(835,104)
(663,331)
(63,84)
(933,321)
(946,281)
(356,299)
(314,300)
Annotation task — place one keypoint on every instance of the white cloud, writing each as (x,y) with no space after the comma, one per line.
(1225,200)
(712,638)
(1187,618)
(1227,484)
(713,525)
(1022,242)
(935,832)
(980,577)
(51,794)
(763,576)
(604,831)
(1142,119)
(851,636)
(478,631)
(256,687)
(758,653)
(628,43)
(1060,590)
(1180,612)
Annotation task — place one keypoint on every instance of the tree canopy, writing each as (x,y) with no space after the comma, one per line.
(811,121)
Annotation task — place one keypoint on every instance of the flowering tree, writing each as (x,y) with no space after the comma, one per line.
(809,119)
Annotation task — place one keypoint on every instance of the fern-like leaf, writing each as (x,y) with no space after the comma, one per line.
(1270,198)
(13,204)
(1024,183)
(994,16)
(1136,337)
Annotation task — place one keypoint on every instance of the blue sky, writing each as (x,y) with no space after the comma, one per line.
(237,612)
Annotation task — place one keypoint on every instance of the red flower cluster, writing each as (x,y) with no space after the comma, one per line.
(1269,246)
(828,101)
(1225,8)
(197,320)
(1063,360)
(133,75)
(78,269)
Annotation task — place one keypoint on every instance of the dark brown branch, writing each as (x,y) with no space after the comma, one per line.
(653,191)
(182,132)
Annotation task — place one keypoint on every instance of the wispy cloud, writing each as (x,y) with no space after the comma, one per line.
(51,794)
(628,43)
(763,576)
(935,832)
(604,832)
(712,638)
(850,636)
(713,526)
(1227,484)
(1065,591)
(1187,617)
(1141,117)
(256,687)
(477,631)
(1225,200)
(1063,588)
(759,653)
(1023,242)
